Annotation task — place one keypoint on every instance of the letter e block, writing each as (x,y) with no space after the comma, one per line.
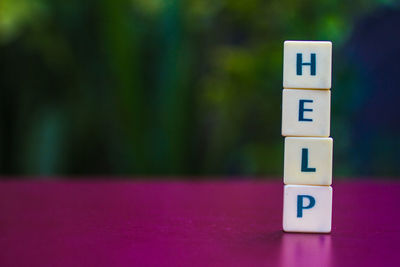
(306,112)
(307,64)
(307,208)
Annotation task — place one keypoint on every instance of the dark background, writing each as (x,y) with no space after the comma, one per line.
(153,87)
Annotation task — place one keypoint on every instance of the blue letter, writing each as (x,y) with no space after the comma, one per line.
(304,161)
(300,64)
(300,206)
(302,109)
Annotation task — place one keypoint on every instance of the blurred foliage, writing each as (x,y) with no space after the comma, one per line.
(158,87)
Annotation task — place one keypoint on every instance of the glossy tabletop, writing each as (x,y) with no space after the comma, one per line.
(98,223)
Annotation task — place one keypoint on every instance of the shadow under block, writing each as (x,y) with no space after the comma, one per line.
(307,208)
(306,112)
(308,160)
(307,64)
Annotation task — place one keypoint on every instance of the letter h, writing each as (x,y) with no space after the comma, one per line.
(300,64)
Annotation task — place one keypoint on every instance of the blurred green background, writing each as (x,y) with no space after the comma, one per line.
(153,87)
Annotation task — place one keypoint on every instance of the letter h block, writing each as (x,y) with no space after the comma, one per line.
(307,65)
(306,110)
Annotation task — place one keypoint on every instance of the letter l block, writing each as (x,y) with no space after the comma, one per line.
(308,160)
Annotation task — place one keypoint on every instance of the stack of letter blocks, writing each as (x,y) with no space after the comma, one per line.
(306,108)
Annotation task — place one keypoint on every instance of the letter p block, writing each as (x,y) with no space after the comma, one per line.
(307,208)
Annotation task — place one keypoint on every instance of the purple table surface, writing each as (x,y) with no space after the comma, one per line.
(124,223)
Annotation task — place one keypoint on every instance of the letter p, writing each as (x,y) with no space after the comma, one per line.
(300,204)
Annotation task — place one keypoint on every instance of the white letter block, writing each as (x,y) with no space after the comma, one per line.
(307,64)
(306,112)
(307,208)
(308,160)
